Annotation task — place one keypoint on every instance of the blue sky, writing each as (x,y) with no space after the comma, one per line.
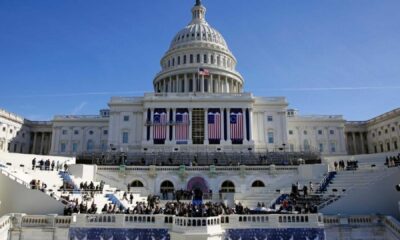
(326,57)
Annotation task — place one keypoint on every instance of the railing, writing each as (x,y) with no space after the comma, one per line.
(15,178)
(393,225)
(198,168)
(183,223)
(45,221)
(5,223)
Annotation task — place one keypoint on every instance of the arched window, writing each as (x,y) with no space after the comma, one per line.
(90,145)
(167,186)
(137,183)
(258,183)
(228,186)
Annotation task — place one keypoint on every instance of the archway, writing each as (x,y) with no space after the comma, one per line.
(228,186)
(258,184)
(198,183)
(137,184)
(167,186)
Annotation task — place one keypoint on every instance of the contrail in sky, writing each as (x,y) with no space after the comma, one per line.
(329,89)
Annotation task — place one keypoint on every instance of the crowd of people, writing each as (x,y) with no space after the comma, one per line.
(392,161)
(75,207)
(37,184)
(85,186)
(345,165)
(47,165)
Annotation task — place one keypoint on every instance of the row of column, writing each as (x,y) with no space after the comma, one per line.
(215,84)
(225,123)
(42,146)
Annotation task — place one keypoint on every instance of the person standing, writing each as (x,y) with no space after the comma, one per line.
(33,163)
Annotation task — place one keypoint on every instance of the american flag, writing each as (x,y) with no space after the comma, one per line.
(236,120)
(204,72)
(182,126)
(214,125)
(160,126)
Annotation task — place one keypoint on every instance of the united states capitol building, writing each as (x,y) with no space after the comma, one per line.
(200,131)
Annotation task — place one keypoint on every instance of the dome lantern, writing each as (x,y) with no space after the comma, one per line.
(198,13)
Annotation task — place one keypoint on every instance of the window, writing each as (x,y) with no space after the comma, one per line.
(74,147)
(11,131)
(212,59)
(321,147)
(184,59)
(331,132)
(23,135)
(388,146)
(91,132)
(198,58)
(76,132)
(373,135)
(386,131)
(90,145)
(125,137)
(205,58)
(136,184)
(173,62)
(4,129)
(191,58)
(305,132)
(64,132)
(290,132)
(319,132)
(167,186)
(228,186)
(105,132)
(270,137)
(63,147)
(382,148)
(126,118)
(379,133)
(258,183)
(333,147)
(375,149)
(179,60)
(269,118)
(395,144)
(393,129)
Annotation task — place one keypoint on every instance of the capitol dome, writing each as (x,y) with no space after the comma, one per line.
(198,60)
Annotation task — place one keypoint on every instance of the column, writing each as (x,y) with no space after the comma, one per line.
(144,136)
(193,82)
(354,142)
(151,124)
(170,84)
(186,83)
(206,126)
(53,140)
(34,143)
(228,124)
(41,144)
(173,126)
(250,124)
(244,125)
(190,126)
(219,84)
(168,126)
(202,84)
(362,143)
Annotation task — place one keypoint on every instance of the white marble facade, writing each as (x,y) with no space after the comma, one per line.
(198,75)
